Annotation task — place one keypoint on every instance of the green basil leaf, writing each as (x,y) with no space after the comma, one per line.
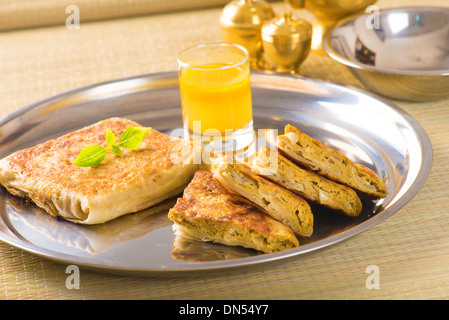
(93,155)
(110,137)
(132,137)
(90,156)
(116,150)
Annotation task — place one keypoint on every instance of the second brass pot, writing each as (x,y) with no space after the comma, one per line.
(241,22)
(286,42)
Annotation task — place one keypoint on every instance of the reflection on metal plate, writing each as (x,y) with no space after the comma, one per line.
(367,129)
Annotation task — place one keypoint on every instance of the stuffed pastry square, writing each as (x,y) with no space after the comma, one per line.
(158,169)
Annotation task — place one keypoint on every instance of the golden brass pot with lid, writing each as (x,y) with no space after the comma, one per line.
(286,42)
(241,22)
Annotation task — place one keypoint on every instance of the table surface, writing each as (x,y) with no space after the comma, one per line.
(410,249)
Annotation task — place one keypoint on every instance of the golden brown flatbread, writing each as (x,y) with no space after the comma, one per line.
(209,212)
(157,170)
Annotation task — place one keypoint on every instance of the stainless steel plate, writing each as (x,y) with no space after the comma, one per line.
(367,129)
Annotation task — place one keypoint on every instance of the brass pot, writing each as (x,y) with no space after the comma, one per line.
(241,22)
(286,42)
(331,9)
(327,13)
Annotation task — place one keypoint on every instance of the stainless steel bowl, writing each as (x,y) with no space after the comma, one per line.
(400,53)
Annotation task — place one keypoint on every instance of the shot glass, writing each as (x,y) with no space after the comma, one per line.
(214,81)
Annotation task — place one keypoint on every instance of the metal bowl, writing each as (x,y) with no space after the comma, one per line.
(400,53)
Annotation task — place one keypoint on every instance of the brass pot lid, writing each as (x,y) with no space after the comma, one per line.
(246,13)
(285,26)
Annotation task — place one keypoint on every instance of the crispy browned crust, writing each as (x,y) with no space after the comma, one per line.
(206,201)
(349,173)
(61,152)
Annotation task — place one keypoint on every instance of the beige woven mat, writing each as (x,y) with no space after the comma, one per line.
(18,14)
(411,248)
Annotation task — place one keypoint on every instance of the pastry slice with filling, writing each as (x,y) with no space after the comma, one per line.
(160,168)
(278,202)
(209,212)
(312,154)
(311,186)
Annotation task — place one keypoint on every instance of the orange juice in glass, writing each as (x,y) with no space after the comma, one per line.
(214,81)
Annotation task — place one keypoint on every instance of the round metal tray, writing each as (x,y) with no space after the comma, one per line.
(367,129)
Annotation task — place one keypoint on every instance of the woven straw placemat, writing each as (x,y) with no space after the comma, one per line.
(411,249)
(20,14)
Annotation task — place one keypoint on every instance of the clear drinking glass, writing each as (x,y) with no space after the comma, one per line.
(215,89)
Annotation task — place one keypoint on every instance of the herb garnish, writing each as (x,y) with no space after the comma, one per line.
(93,155)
